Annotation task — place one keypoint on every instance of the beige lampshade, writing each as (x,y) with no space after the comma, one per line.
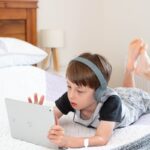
(52,38)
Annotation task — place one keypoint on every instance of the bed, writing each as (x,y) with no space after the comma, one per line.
(19,82)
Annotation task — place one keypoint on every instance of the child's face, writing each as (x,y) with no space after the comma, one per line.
(80,97)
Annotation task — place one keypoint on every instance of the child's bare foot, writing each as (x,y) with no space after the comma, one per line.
(135,48)
(143,66)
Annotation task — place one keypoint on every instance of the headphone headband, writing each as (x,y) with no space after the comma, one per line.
(95,69)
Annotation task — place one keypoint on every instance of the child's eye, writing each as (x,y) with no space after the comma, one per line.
(68,86)
(79,91)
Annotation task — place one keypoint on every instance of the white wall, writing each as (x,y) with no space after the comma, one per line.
(102,26)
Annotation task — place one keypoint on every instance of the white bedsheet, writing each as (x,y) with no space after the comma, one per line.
(21,82)
(18,83)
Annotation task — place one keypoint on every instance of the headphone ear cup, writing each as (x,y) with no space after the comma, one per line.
(99,93)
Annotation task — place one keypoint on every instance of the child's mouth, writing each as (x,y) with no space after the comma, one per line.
(73,104)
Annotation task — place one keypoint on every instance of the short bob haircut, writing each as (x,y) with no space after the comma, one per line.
(82,75)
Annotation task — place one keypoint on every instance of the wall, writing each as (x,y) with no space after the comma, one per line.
(123,20)
(101,26)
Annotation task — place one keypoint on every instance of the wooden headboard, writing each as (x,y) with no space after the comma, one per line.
(18,19)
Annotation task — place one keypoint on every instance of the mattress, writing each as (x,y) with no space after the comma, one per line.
(22,81)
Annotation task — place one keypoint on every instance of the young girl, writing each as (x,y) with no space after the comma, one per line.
(113,108)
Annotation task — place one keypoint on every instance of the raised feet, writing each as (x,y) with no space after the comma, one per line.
(135,48)
(138,59)
(143,67)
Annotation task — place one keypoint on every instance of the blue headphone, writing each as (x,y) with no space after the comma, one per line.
(100,90)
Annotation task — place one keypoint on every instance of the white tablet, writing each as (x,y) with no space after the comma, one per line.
(30,122)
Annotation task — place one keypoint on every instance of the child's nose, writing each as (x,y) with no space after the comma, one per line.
(72,94)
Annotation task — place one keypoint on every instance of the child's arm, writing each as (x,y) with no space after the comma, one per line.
(101,137)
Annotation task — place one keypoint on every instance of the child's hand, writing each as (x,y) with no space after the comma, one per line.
(57,136)
(36,101)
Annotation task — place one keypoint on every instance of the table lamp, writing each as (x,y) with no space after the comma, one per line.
(51,40)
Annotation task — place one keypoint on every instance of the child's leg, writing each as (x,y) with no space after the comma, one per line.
(128,80)
(133,53)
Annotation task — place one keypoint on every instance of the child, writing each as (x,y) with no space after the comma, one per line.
(96,105)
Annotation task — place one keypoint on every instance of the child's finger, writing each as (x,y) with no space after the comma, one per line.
(56,127)
(56,120)
(41,100)
(29,100)
(57,132)
(35,98)
(52,137)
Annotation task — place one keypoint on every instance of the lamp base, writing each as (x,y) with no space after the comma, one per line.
(46,63)
(55,59)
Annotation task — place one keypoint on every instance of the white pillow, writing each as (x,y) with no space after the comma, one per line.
(18,52)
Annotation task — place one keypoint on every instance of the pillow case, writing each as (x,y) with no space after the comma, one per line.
(18,52)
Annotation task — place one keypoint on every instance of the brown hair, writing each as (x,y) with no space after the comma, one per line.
(81,74)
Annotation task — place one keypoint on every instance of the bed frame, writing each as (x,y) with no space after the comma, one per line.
(18,19)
